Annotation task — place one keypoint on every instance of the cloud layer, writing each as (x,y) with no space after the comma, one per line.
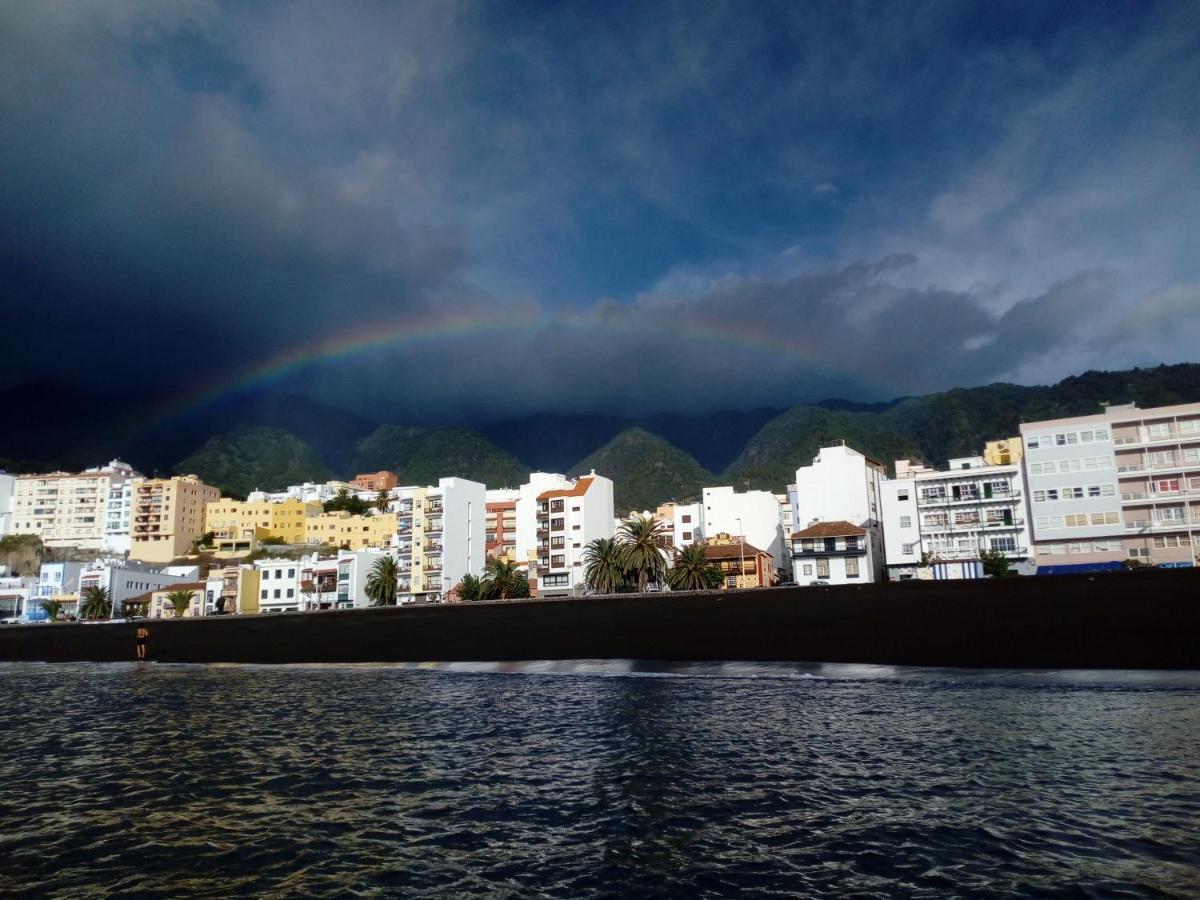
(667,208)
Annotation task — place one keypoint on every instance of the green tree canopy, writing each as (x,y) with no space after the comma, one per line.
(693,570)
(645,548)
(381,584)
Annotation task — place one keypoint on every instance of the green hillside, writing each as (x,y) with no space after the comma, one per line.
(423,455)
(646,471)
(241,461)
(953,423)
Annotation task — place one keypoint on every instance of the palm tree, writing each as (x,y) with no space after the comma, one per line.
(604,567)
(471,589)
(381,582)
(181,600)
(501,580)
(645,548)
(95,603)
(693,570)
(52,608)
(383,501)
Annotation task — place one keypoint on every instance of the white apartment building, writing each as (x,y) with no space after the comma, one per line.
(68,509)
(441,536)
(118,516)
(56,581)
(334,582)
(835,552)
(7,485)
(569,518)
(753,515)
(126,579)
(684,523)
(1123,484)
(840,486)
(15,593)
(279,585)
(951,516)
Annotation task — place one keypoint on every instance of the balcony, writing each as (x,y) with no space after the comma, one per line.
(432,527)
(973,553)
(433,547)
(950,500)
(1174,437)
(808,553)
(1145,467)
(1164,524)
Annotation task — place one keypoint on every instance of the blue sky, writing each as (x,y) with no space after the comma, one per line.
(1016,185)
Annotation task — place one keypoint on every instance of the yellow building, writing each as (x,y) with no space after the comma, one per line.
(234,589)
(158,606)
(341,529)
(1006,452)
(238,519)
(168,514)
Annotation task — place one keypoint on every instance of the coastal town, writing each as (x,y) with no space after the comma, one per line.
(1113,490)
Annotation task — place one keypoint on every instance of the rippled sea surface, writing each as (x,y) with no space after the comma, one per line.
(587,780)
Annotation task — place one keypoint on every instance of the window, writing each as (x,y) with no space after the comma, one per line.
(852,567)
(1078,521)
(1102,434)
(902,495)
(907,549)
(1189,426)
(1163,542)
(1160,429)
(730,581)
(1072,493)
(1052,494)
(1167,486)
(276,593)
(556,524)
(1138,552)
(852,543)
(808,569)
(687,535)
(291,593)
(686,519)
(1035,468)
(264,594)
(266,574)
(822,568)
(1162,457)
(1086,437)
(1170,514)
(906,521)
(291,573)
(1004,544)
(1093,490)
(558,561)
(1039,496)
(1032,442)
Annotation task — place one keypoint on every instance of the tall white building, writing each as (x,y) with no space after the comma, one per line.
(441,536)
(1123,484)
(118,515)
(7,484)
(841,487)
(953,515)
(569,518)
(753,515)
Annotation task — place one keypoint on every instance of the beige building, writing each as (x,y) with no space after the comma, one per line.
(68,509)
(1005,452)
(158,606)
(341,529)
(232,590)
(1123,484)
(237,519)
(168,515)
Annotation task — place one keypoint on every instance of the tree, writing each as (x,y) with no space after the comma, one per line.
(181,600)
(693,570)
(52,608)
(344,501)
(604,566)
(501,580)
(644,550)
(995,564)
(95,603)
(471,589)
(520,587)
(383,501)
(381,582)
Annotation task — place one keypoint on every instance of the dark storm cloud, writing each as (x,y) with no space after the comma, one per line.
(868,201)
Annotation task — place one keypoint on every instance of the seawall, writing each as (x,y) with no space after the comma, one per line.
(1135,620)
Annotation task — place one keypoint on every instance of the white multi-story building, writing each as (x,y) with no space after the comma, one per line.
(279,583)
(569,518)
(842,486)
(950,517)
(441,536)
(15,593)
(126,579)
(684,522)
(7,484)
(309,492)
(835,552)
(118,516)
(1123,484)
(335,582)
(56,581)
(752,515)
(68,509)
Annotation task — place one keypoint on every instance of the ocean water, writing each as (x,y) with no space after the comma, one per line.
(596,780)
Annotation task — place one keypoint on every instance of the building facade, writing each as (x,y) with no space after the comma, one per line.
(168,515)
(375,481)
(742,564)
(1120,485)
(841,485)
(126,579)
(501,523)
(158,605)
(835,553)
(937,523)
(754,515)
(569,518)
(351,532)
(286,520)
(441,536)
(69,509)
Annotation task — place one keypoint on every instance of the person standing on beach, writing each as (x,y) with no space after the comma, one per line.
(142,633)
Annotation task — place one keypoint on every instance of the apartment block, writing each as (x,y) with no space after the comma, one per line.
(1123,484)
(950,517)
(344,530)
(68,509)
(126,579)
(569,518)
(684,523)
(501,523)
(249,520)
(56,581)
(441,536)
(232,590)
(840,486)
(337,582)
(7,485)
(754,515)
(168,515)
(280,585)
(375,481)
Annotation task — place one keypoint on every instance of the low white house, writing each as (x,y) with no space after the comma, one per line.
(836,553)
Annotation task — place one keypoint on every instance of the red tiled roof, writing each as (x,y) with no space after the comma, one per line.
(830,529)
(731,551)
(578,490)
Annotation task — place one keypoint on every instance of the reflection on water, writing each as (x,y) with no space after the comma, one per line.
(596,779)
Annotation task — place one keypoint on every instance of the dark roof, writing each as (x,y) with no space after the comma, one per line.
(830,529)
(731,551)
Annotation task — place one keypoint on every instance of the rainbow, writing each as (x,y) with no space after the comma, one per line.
(745,336)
